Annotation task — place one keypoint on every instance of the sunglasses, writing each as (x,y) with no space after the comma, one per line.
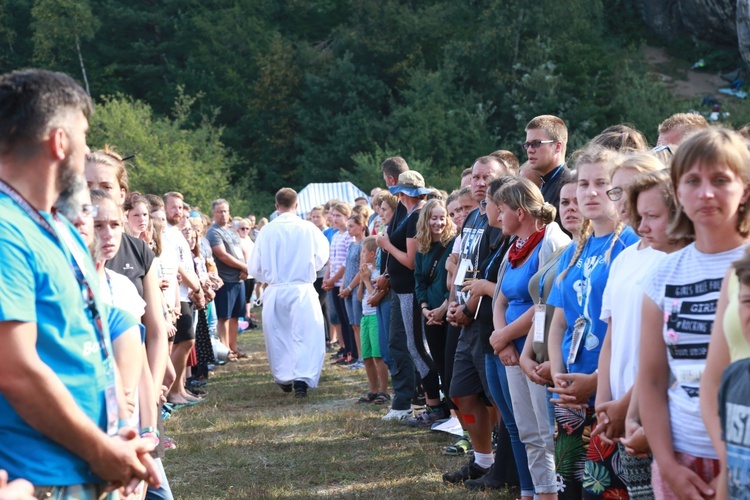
(535,144)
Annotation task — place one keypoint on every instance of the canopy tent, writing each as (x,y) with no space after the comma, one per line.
(319,193)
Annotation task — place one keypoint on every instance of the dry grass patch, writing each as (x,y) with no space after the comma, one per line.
(250,440)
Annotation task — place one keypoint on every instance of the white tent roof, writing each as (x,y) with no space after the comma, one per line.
(319,193)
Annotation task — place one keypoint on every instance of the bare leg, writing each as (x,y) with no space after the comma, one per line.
(180,354)
(222,330)
(232,325)
(382,375)
(357,340)
(335,332)
(372,375)
(478,421)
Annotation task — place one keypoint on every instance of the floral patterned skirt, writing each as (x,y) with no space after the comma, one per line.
(587,468)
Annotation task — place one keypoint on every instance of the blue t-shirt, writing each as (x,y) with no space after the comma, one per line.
(515,287)
(580,292)
(120,321)
(734,408)
(329,232)
(39,287)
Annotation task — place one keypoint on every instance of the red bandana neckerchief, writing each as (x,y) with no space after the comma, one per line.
(518,254)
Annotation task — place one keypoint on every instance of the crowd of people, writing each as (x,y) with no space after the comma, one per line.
(518,304)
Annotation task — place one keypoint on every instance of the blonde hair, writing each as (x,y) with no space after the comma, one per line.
(109,157)
(714,146)
(524,194)
(342,208)
(370,244)
(553,126)
(424,235)
(610,159)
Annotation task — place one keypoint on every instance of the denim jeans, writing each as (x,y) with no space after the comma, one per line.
(498,383)
(383,312)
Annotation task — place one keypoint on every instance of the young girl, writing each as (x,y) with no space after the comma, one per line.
(524,214)
(137,216)
(356,226)
(334,279)
(377,371)
(710,178)
(435,234)
(576,332)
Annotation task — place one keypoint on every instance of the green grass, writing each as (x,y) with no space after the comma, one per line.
(250,440)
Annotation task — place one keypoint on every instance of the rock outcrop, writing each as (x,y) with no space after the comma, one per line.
(721,21)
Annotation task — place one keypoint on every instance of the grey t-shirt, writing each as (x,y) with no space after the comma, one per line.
(231,240)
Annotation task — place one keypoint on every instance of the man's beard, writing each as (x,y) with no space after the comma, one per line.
(174,221)
(68,181)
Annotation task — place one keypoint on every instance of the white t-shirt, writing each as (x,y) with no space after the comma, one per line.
(622,301)
(368,310)
(174,239)
(685,285)
(456,245)
(120,292)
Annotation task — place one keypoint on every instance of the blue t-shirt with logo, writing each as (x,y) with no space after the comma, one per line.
(39,286)
(580,292)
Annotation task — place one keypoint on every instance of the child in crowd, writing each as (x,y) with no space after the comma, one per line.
(734,401)
(356,226)
(334,279)
(377,371)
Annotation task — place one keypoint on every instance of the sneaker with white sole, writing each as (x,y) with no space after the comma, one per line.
(397,415)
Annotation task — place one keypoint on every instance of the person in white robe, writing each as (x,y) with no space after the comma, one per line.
(287,255)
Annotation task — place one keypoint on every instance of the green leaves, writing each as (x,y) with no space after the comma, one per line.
(595,478)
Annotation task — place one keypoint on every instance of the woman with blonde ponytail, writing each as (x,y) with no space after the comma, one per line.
(576,333)
(524,215)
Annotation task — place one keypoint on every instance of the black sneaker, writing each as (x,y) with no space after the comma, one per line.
(300,389)
(469,471)
(285,387)
(488,482)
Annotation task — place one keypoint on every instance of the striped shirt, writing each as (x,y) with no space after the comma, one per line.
(339,249)
(685,285)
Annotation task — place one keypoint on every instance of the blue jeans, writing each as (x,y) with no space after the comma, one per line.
(403,375)
(383,312)
(497,381)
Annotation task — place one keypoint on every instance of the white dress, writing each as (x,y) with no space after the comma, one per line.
(287,255)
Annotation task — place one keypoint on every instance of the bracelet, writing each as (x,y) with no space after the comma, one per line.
(123,423)
(150,430)
(468,312)
(151,435)
(424,307)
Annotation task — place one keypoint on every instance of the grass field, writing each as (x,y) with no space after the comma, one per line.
(250,440)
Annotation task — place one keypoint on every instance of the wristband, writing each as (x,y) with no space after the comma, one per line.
(150,430)
(151,435)
(468,312)
(424,307)
(123,423)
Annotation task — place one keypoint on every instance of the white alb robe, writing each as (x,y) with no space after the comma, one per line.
(287,255)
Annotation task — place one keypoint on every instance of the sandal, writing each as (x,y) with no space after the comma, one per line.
(232,356)
(382,398)
(368,398)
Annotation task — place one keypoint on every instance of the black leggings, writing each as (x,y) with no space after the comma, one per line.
(451,342)
(346,328)
(436,336)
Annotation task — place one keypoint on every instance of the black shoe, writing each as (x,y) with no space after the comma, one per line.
(300,389)
(469,471)
(285,387)
(487,482)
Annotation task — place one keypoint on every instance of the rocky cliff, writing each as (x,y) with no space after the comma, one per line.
(721,21)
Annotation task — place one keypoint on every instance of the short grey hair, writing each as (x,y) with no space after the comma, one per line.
(218,202)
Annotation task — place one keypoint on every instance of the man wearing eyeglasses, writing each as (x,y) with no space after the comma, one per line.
(546,142)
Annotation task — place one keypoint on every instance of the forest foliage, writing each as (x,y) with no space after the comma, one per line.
(238,98)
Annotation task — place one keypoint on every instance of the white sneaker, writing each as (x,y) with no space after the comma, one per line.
(397,415)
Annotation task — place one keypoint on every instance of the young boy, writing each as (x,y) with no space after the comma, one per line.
(377,371)
(734,400)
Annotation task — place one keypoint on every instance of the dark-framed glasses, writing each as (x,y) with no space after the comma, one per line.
(535,144)
(615,193)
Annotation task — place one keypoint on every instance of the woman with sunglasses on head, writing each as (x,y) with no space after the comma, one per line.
(710,178)
(576,332)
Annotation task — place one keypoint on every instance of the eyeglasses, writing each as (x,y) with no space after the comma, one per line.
(483,205)
(535,144)
(89,210)
(615,194)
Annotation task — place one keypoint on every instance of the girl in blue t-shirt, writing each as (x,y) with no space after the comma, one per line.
(576,333)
